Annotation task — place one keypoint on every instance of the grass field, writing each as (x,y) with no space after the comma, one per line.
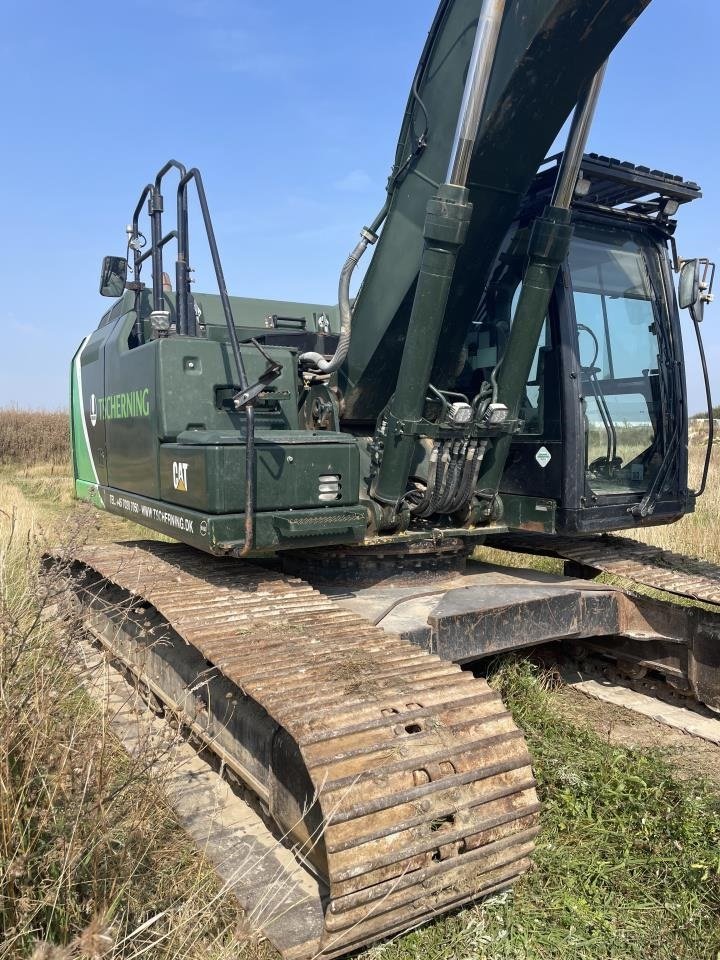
(92,862)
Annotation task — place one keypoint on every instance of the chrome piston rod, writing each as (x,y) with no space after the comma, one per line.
(476,87)
(576,142)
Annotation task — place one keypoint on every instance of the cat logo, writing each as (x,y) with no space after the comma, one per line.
(180,476)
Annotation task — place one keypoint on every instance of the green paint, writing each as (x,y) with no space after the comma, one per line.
(82,458)
(549,243)
(90,492)
(446,225)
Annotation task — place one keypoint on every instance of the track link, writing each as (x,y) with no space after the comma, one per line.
(639,562)
(413,792)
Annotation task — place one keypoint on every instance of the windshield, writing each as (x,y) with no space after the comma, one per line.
(618,349)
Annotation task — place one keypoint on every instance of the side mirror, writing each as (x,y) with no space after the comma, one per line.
(689,284)
(113,276)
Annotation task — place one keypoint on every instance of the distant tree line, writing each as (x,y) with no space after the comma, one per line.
(29,437)
(703,414)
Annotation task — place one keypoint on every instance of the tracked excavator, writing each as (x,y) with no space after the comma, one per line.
(511,372)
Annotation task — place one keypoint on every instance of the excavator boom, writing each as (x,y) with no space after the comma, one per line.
(548,51)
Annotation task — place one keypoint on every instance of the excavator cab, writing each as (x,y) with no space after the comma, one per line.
(604,411)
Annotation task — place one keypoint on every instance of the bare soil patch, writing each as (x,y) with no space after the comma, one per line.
(689,756)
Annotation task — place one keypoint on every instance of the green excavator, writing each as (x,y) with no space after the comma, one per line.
(511,372)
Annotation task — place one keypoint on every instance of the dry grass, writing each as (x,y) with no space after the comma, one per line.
(30,437)
(92,860)
(697,534)
(93,863)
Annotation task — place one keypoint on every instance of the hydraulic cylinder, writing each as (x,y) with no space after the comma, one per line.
(548,247)
(446,224)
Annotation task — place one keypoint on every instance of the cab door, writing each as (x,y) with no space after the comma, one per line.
(627,400)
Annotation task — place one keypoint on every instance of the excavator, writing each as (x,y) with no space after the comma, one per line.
(510,372)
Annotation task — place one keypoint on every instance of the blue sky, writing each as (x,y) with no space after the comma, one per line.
(292,112)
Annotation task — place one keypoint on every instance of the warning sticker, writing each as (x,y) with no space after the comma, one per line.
(543,457)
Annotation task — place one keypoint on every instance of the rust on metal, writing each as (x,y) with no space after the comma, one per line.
(622,557)
(423,781)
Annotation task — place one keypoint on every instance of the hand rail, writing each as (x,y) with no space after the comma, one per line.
(152,193)
(183,323)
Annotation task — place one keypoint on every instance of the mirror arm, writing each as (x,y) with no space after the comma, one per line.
(675,257)
(708,396)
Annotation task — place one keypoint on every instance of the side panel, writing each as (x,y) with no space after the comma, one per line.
(190,370)
(88,435)
(289,475)
(164,387)
(129,412)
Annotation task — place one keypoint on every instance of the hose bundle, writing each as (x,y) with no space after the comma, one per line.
(452,477)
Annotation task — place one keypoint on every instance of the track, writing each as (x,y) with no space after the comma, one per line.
(638,690)
(275,893)
(643,564)
(633,697)
(402,780)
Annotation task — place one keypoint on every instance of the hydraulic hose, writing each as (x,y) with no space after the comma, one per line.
(369,235)
(711,420)
(453,476)
(317,360)
(465,488)
(419,508)
(438,464)
(441,481)
(450,488)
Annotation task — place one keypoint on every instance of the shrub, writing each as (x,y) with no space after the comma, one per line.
(29,437)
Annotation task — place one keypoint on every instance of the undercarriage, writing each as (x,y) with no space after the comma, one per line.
(399,780)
